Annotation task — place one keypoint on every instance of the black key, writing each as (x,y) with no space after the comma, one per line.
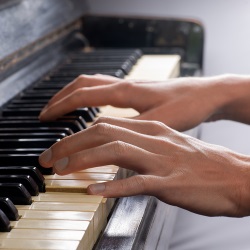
(73,126)
(14,130)
(37,101)
(22,151)
(26,180)
(21,112)
(32,135)
(26,105)
(79,119)
(25,170)
(93,111)
(7,206)
(22,161)
(84,112)
(4,222)
(16,192)
(27,143)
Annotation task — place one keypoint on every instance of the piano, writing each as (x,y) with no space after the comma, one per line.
(45,44)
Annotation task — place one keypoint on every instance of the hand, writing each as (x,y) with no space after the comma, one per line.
(180,103)
(177,169)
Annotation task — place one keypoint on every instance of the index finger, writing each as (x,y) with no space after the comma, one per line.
(80,82)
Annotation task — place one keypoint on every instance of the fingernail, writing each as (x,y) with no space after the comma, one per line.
(61,164)
(97,188)
(46,156)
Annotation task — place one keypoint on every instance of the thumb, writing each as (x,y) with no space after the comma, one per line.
(134,185)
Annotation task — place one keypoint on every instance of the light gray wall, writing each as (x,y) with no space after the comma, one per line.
(227,46)
(226,23)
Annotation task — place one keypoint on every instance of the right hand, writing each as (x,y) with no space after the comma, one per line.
(177,169)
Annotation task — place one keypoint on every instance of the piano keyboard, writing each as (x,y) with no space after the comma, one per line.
(63,217)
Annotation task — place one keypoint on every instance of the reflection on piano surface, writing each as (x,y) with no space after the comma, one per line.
(51,211)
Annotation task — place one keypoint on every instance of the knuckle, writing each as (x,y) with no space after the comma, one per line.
(84,80)
(140,182)
(124,86)
(159,125)
(162,142)
(103,129)
(120,148)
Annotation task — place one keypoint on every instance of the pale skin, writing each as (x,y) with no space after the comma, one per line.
(176,168)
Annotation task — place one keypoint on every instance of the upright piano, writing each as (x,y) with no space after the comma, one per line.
(45,44)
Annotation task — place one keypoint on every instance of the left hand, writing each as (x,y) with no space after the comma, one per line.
(177,169)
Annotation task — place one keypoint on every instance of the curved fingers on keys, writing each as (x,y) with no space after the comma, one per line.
(81,82)
(118,153)
(145,134)
(116,94)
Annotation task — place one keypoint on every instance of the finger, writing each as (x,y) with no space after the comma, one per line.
(99,134)
(118,95)
(135,185)
(146,127)
(80,82)
(114,153)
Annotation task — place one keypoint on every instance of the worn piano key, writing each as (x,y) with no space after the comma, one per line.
(25,180)
(63,215)
(39,244)
(7,206)
(78,198)
(38,236)
(25,170)
(96,208)
(23,160)
(41,234)
(83,176)
(74,186)
(51,224)
(16,192)
(4,223)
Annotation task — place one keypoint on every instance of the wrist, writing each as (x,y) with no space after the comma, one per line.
(241,188)
(228,94)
